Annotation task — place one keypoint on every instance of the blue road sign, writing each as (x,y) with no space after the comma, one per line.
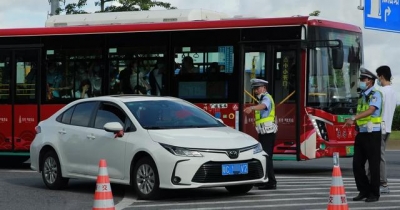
(383,15)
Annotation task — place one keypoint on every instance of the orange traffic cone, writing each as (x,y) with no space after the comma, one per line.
(337,197)
(103,198)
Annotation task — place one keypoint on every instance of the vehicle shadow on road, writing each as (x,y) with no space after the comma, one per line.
(216,194)
(74,186)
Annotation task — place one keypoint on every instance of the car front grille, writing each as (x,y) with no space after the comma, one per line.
(211,172)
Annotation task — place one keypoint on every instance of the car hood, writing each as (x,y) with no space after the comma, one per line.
(204,138)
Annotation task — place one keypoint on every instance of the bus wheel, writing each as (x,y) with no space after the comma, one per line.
(239,189)
(51,172)
(145,179)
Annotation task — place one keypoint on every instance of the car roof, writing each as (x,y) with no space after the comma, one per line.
(129,98)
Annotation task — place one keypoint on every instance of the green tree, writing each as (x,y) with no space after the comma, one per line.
(396,119)
(315,13)
(125,5)
(137,5)
(73,8)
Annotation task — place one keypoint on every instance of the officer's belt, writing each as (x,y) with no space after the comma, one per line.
(373,126)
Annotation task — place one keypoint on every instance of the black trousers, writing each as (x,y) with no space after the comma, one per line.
(268,142)
(367,146)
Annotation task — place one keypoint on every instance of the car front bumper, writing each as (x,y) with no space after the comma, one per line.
(177,172)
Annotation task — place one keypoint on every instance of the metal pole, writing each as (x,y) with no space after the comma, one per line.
(360,7)
(54,5)
(335,159)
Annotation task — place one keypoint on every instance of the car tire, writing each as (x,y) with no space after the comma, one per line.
(51,172)
(145,179)
(239,189)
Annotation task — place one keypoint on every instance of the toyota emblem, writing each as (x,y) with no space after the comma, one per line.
(233,154)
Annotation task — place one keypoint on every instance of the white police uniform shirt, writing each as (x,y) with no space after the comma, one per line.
(267,102)
(376,101)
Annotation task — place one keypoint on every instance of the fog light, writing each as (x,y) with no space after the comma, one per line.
(176,180)
(322,146)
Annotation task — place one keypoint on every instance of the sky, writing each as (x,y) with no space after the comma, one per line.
(380,48)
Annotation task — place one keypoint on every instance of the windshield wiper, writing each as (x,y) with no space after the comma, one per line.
(155,127)
(199,126)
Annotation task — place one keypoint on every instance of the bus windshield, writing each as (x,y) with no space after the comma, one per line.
(330,88)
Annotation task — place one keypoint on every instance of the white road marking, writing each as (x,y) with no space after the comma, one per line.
(17,171)
(128,199)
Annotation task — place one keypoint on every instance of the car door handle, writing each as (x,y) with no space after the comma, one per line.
(62,131)
(91,136)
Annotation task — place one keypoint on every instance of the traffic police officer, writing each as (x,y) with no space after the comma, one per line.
(367,145)
(265,125)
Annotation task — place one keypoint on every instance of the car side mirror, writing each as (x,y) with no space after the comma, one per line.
(114,127)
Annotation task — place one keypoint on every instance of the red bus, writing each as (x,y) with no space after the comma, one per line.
(311,64)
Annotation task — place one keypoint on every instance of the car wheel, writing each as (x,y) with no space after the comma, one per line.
(51,172)
(239,189)
(145,179)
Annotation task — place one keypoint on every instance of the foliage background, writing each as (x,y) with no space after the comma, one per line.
(396,119)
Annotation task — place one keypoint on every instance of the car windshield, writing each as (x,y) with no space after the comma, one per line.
(171,114)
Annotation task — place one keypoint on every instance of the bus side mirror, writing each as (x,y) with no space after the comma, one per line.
(337,57)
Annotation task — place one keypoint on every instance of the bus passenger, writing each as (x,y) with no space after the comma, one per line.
(54,79)
(84,90)
(157,79)
(137,82)
(114,80)
(125,76)
(95,78)
(31,76)
(188,66)
(265,125)
(81,73)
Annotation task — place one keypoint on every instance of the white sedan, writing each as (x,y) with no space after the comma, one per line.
(150,143)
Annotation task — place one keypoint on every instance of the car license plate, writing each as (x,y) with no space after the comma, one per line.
(349,150)
(234,169)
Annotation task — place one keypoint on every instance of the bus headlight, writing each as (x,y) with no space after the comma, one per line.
(320,127)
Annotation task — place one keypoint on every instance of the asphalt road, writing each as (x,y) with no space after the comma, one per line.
(301,185)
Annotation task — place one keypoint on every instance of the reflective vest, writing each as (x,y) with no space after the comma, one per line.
(363,105)
(271,116)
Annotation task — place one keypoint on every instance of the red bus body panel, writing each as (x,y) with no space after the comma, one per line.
(25,121)
(49,109)
(227,112)
(6,127)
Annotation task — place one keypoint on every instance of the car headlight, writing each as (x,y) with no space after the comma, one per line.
(257,149)
(180,151)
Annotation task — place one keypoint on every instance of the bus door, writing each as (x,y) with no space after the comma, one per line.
(19,98)
(278,64)
(284,79)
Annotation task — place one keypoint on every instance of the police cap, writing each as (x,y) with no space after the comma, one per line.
(365,73)
(258,83)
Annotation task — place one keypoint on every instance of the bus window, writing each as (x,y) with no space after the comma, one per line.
(5,75)
(137,70)
(203,72)
(26,71)
(74,74)
(254,67)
